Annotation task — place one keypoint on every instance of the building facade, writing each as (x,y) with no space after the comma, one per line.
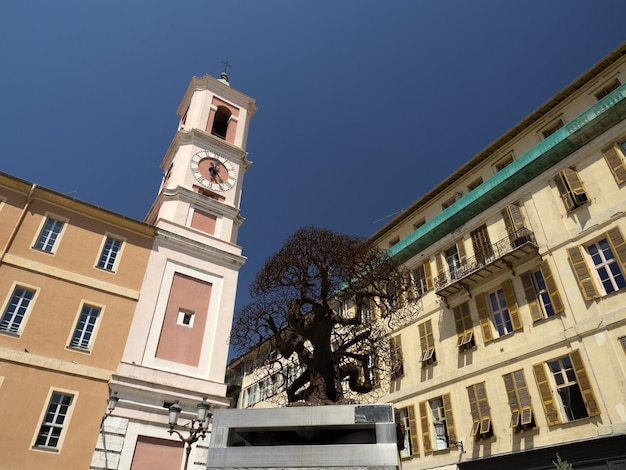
(519,350)
(177,347)
(70,279)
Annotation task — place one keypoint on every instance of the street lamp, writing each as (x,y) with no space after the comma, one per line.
(111,404)
(440,430)
(197,427)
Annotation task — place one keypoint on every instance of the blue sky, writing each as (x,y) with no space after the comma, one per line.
(363,105)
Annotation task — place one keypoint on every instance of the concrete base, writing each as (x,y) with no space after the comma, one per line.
(350,437)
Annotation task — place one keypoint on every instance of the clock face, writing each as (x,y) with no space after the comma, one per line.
(213,171)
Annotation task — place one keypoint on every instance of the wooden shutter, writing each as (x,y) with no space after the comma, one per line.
(439,257)
(397,368)
(583,275)
(447,411)
(574,182)
(483,316)
(428,447)
(619,246)
(564,191)
(509,385)
(532,297)
(471,395)
(415,447)
(460,248)
(462,323)
(553,292)
(545,392)
(429,276)
(523,397)
(483,408)
(615,160)
(513,219)
(511,304)
(584,383)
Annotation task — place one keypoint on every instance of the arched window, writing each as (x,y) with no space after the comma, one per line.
(220,123)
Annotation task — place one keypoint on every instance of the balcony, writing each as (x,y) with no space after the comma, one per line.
(503,255)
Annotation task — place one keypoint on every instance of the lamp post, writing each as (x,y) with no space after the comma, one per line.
(440,430)
(111,404)
(197,427)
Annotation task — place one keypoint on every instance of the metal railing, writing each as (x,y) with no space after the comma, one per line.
(486,257)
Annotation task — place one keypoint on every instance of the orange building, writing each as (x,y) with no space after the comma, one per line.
(70,277)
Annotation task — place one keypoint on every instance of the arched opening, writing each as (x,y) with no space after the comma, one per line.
(220,123)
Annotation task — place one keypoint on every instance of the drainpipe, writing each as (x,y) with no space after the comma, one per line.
(29,198)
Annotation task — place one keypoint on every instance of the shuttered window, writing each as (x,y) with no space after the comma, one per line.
(599,267)
(614,157)
(437,411)
(571,188)
(464,326)
(567,377)
(479,408)
(423,278)
(408,420)
(427,342)
(397,367)
(483,251)
(519,400)
(513,220)
(542,295)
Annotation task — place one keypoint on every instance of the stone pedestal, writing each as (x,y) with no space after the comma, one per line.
(305,437)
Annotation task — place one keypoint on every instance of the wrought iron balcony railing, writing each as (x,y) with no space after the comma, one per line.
(487,256)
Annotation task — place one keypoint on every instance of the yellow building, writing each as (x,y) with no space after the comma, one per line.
(70,276)
(519,349)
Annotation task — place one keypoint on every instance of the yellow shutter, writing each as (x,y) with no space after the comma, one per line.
(425,426)
(523,396)
(619,246)
(509,385)
(564,191)
(532,298)
(545,392)
(460,247)
(583,382)
(513,219)
(483,316)
(423,340)
(553,292)
(483,408)
(447,411)
(583,276)
(574,182)
(429,276)
(615,160)
(511,303)
(415,447)
(397,368)
(473,401)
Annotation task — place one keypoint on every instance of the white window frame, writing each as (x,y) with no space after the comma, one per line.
(14,313)
(437,414)
(604,264)
(81,333)
(51,239)
(567,383)
(60,420)
(501,311)
(543,294)
(108,256)
(453,262)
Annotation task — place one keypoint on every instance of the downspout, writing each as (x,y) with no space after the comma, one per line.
(29,198)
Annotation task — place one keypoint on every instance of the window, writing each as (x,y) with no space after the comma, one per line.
(608,258)
(608,88)
(185,318)
(569,379)
(503,163)
(515,225)
(49,234)
(54,420)
(519,400)
(453,261)
(85,327)
(437,419)
(16,310)
(397,365)
(499,310)
(423,278)
(109,254)
(571,189)
(542,296)
(366,312)
(552,128)
(419,223)
(474,184)
(464,327)
(408,422)
(427,343)
(614,156)
(394,241)
(479,408)
(483,250)
(220,122)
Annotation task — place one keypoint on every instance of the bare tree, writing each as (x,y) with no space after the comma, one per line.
(326,300)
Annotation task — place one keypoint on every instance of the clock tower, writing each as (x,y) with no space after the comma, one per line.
(177,348)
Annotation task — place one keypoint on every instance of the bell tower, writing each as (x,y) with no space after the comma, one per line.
(177,347)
